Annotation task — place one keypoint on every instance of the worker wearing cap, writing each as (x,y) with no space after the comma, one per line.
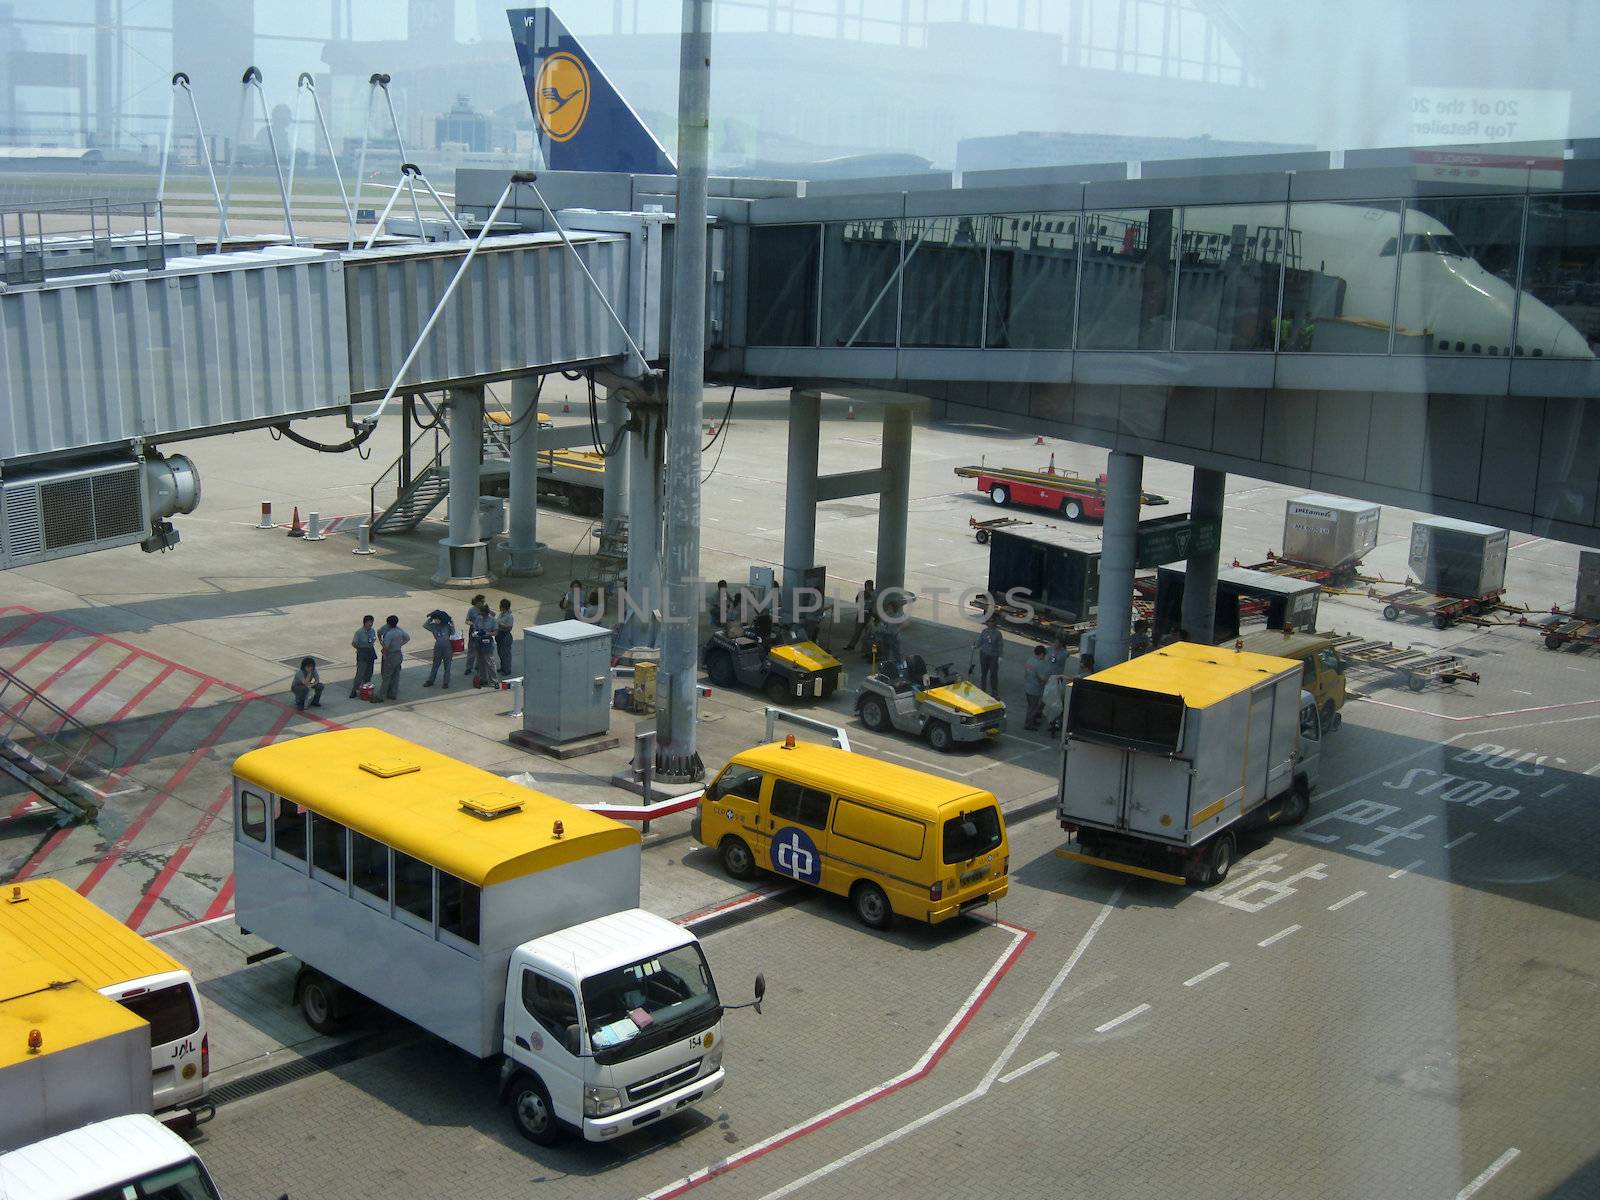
(990,647)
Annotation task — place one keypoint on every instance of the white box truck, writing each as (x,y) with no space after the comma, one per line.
(499,918)
(1169,756)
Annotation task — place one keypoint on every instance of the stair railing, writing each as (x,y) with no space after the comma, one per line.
(391,476)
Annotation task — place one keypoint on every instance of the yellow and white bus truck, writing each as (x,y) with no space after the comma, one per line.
(499,918)
(81,942)
(896,841)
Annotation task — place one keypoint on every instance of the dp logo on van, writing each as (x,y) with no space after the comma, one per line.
(794,854)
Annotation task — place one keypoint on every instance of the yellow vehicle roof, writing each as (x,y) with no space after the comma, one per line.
(87,943)
(914,792)
(417,808)
(1201,675)
(1273,642)
(804,656)
(963,696)
(38,994)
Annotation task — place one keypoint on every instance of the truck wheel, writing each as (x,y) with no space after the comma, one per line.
(1552,641)
(983,537)
(1441,621)
(999,496)
(1297,804)
(940,737)
(1219,860)
(737,860)
(1072,510)
(874,715)
(1391,613)
(530,1109)
(320,1001)
(777,690)
(871,905)
(719,669)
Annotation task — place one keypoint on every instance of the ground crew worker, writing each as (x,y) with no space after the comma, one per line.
(1034,678)
(1060,657)
(866,599)
(306,682)
(365,643)
(990,647)
(392,639)
(481,630)
(472,642)
(443,629)
(504,635)
(1139,643)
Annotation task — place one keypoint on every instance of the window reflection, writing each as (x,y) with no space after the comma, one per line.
(1458,268)
(1032,280)
(1127,279)
(1229,264)
(1338,279)
(860,261)
(943,285)
(1560,311)
(783,285)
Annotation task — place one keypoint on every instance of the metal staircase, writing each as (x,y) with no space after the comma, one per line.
(418,494)
(50,752)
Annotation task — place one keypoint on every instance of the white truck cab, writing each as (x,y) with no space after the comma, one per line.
(609,1026)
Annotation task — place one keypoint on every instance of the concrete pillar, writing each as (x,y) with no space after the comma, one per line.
(894,502)
(1119,552)
(522,546)
(463,555)
(616,486)
(800,491)
(1200,577)
(644,529)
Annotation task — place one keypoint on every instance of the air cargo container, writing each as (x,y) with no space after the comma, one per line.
(1459,558)
(1329,531)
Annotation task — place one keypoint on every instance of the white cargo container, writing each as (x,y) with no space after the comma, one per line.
(1459,558)
(1169,755)
(1329,531)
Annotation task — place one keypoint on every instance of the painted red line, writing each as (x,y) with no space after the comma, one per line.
(149,743)
(219,906)
(41,648)
(73,708)
(159,884)
(33,617)
(42,853)
(27,803)
(55,676)
(738,1160)
(120,846)
(739,901)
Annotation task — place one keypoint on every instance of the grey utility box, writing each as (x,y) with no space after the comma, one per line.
(1329,531)
(1459,558)
(1587,605)
(566,672)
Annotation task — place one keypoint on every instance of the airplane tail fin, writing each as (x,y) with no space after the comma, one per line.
(581,120)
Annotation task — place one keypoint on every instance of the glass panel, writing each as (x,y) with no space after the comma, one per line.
(971,834)
(458,907)
(1127,279)
(942,299)
(1338,285)
(1560,312)
(327,845)
(1458,266)
(170,1012)
(783,285)
(1033,270)
(253,816)
(289,830)
(413,887)
(1228,267)
(369,865)
(859,260)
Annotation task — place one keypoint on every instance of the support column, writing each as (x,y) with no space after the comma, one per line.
(894,502)
(800,491)
(1119,553)
(644,528)
(1200,576)
(463,555)
(523,544)
(615,503)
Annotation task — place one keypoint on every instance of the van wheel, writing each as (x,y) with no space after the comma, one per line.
(776,689)
(1297,804)
(530,1109)
(320,1001)
(874,715)
(737,860)
(1219,861)
(871,905)
(999,496)
(719,669)
(940,737)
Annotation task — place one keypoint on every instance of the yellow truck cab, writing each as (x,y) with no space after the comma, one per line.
(896,841)
(1322,671)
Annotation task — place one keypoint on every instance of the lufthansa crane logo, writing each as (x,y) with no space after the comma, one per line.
(795,855)
(563,95)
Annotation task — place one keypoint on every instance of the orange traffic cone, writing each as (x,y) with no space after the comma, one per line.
(850,413)
(295,528)
(565,407)
(1039,441)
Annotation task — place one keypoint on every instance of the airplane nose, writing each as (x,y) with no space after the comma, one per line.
(1569,343)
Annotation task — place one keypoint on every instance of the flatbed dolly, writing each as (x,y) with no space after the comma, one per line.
(1558,628)
(982,529)
(1415,668)
(1444,611)
(1332,579)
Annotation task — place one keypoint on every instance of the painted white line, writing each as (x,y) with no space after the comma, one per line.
(1026,1067)
(1279,936)
(1350,899)
(1508,814)
(1206,974)
(1558,788)
(1520,692)
(1488,1173)
(1593,769)
(1407,869)
(150,937)
(1125,1017)
(1459,840)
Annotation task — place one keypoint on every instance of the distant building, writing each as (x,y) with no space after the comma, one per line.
(1034,149)
(463,126)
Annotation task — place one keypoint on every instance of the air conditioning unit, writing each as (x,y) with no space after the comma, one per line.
(94,506)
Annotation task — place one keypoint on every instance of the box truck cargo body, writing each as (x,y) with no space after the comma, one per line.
(1283,601)
(1058,571)
(1329,531)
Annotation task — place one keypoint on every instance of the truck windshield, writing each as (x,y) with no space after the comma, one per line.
(630,1009)
(187,1181)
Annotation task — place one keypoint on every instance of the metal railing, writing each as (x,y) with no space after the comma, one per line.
(47,739)
(79,237)
(394,475)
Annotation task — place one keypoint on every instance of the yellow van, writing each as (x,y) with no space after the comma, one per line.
(894,840)
(1322,672)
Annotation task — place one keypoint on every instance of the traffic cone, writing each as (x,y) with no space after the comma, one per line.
(565,407)
(295,528)
(1039,441)
(850,413)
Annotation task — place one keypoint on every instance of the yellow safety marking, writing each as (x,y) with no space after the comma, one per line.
(1126,868)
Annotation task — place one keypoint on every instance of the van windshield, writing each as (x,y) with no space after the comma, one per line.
(970,834)
(657,999)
